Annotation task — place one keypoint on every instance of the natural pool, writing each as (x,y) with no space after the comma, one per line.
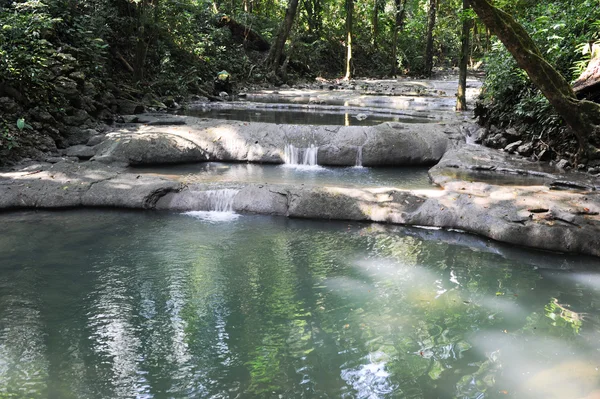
(303,117)
(223,173)
(114,304)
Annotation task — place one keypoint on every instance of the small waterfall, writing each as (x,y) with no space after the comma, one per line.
(221,200)
(310,155)
(292,155)
(219,204)
(358,162)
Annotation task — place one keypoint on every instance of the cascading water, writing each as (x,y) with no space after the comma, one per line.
(221,200)
(310,155)
(359,153)
(292,155)
(219,204)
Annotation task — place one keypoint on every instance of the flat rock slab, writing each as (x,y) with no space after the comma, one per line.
(197,140)
(535,216)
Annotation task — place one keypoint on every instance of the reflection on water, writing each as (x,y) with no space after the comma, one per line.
(216,172)
(307,117)
(98,304)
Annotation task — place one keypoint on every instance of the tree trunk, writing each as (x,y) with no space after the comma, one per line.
(141,46)
(251,39)
(313,16)
(398,27)
(375,22)
(582,116)
(429,46)
(349,12)
(461,95)
(587,86)
(284,31)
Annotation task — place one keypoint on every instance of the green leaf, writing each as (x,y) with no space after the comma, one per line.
(20,123)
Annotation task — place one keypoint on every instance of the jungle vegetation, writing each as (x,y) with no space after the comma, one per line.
(63,58)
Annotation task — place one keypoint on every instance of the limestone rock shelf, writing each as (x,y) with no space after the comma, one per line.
(537,207)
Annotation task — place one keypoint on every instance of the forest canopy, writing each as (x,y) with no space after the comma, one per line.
(127,48)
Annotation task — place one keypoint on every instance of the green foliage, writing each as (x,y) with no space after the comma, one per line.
(25,30)
(562,35)
(7,139)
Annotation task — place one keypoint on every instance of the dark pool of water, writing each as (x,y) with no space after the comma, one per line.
(216,172)
(308,117)
(99,304)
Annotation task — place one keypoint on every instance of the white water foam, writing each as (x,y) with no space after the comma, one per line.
(301,157)
(221,200)
(213,216)
(220,205)
(359,156)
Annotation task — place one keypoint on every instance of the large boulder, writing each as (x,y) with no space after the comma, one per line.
(392,144)
(149,149)
(396,144)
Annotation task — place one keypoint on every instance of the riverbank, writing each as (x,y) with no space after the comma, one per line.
(486,192)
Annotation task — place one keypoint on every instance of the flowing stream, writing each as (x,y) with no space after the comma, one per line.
(116,304)
(294,156)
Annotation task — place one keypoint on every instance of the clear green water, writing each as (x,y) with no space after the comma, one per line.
(218,172)
(107,304)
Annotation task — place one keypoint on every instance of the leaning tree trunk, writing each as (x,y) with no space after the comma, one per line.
(461,95)
(429,45)
(398,27)
(588,84)
(582,116)
(284,31)
(349,12)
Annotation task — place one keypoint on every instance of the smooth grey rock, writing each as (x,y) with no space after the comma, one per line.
(563,164)
(128,191)
(479,135)
(95,140)
(525,149)
(387,145)
(148,149)
(496,141)
(262,199)
(513,146)
(81,152)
